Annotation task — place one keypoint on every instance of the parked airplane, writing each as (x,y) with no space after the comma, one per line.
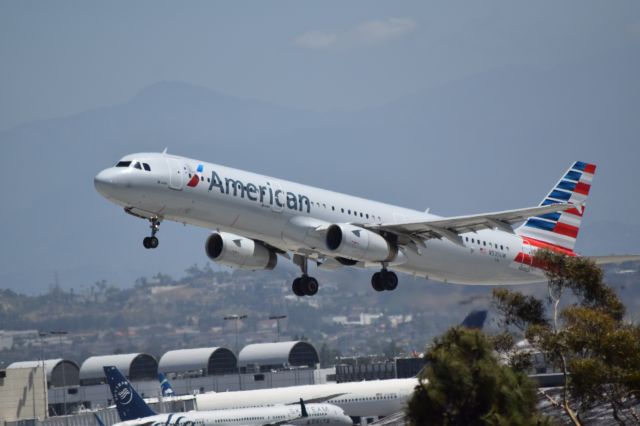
(133,411)
(258,217)
(372,398)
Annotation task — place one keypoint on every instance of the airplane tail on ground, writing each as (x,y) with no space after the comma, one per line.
(129,404)
(560,230)
(167,390)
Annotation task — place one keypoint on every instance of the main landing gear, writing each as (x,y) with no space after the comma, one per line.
(384,280)
(152,241)
(304,285)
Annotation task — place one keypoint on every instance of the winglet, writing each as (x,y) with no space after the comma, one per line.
(303,409)
(165,149)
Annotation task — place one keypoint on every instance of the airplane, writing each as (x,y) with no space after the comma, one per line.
(133,411)
(255,218)
(167,389)
(373,398)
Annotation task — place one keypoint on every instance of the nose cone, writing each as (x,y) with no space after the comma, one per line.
(106,182)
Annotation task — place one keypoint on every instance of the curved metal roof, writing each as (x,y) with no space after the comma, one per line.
(294,353)
(135,366)
(214,360)
(60,372)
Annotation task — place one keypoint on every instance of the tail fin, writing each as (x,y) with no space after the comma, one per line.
(167,390)
(561,229)
(129,404)
(98,419)
(303,409)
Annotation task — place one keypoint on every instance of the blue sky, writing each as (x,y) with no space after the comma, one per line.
(64,57)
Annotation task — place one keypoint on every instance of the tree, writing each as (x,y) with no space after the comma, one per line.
(464,384)
(597,353)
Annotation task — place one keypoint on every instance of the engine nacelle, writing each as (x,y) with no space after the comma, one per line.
(353,242)
(239,252)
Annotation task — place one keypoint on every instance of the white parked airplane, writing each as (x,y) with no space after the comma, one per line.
(133,411)
(372,398)
(257,217)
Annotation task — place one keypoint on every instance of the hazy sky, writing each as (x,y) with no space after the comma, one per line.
(62,57)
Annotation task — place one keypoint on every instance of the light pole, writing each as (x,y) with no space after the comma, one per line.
(42,334)
(237,319)
(61,333)
(277,318)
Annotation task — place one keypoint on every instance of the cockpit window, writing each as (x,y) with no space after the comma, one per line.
(137,165)
(123,164)
(146,167)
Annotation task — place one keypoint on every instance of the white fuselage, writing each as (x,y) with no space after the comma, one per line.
(320,414)
(279,213)
(358,399)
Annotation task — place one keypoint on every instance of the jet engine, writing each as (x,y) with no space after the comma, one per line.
(239,252)
(353,242)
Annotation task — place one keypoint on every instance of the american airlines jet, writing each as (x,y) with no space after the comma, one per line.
(257,218)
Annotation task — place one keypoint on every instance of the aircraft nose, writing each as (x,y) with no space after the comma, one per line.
(104,182)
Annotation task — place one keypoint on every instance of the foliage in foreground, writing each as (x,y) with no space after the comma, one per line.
(598,354)
(464,384)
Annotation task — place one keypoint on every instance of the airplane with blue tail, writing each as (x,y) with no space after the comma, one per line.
(134,411)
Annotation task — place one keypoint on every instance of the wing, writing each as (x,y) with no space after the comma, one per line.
(606,260)
(451,228)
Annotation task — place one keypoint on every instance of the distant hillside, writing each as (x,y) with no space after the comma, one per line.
(161,313)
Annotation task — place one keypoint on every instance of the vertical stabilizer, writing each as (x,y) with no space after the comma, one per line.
(560,230)
(129,404)
(167,390)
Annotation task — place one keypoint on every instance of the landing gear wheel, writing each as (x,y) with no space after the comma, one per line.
(390,280)
(376,282)
(297,287)
(152,241)
(310,286)
(384,280)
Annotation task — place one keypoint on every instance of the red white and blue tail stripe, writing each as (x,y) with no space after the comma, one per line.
(560,230)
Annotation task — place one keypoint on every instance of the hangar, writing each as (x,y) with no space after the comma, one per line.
(198,362)
(60,372)
(135,366)
(274,356)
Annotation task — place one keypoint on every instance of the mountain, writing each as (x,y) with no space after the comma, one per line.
(491,141)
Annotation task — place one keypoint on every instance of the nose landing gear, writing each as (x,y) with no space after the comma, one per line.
(384,280)
(152,241)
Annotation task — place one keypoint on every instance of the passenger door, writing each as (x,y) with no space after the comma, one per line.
(177,174)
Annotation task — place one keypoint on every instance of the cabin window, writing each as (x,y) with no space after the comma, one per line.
(349,211)
(333,208)
(484,243)
(342,210)
(367,215)
(501,247)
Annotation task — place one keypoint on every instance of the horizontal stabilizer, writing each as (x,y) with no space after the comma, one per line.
(614,259)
